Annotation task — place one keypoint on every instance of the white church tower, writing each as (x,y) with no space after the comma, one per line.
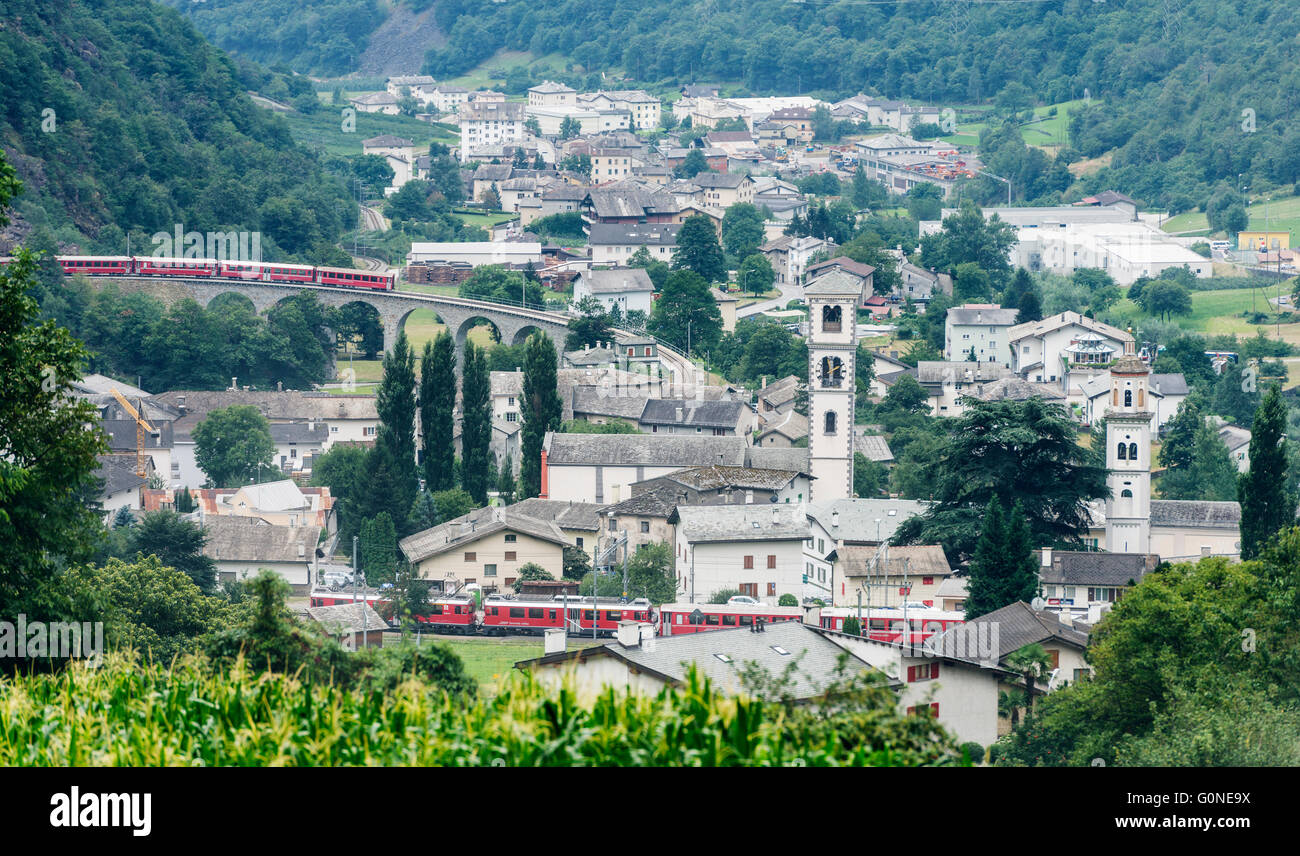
(832,346)
(1128,457)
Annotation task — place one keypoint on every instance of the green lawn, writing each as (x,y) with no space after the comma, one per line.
(1044,130)
(489,74)
(489,661)
(324,130)
(485,221)
(1277,215)
(1213,313)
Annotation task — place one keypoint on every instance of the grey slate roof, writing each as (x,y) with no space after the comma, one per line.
(1078,568)
(857,517)
(728,523)
(958,371)
(493,171)
(650,234)
(249,539)
(919,560)
(566,515)
(1168,384)
(836,283)
(1199,513)
(874,447)
(468,528)
(1014,389)
(658,501)
(346,618)
(774,458)
(299,432)
(1017,626)
(720,179)
(715,477)
(692,414)
(617,281)
(643,450)
(117,473)
(993,316)
(818,658)
(597,401)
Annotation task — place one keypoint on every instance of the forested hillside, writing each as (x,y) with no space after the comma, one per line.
(118,116)
(1170,79)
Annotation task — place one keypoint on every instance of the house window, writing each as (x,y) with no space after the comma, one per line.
(749,590)
(512,417)
(1132,451)
(927,581)
(771,562)
(510,556)
(1128,398)
(370,430)
(489,570)
(470,557)
(829,422)
(579,540)
(749,563)
(645,527)
(511,537)
(1123,452)
(771,589)
(613,524)
(923,672)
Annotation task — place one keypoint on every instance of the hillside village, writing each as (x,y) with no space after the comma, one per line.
(557,389)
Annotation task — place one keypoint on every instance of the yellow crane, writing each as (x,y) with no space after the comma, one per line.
(141,427)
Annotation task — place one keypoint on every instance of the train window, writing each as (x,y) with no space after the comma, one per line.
(678,616)
(711,620)
(437,609)
(586,615)
(536,612)
(728,621)
(613,615)
(552,615)
(492,611)
(516,612)
(746,620)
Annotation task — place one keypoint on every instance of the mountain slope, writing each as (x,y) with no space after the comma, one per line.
(119,116)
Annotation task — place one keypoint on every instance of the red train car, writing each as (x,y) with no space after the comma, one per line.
(502,615)
(451,614)
(678,618)
(356,278)
(266,271)
(889,625)
(155,266)
(96,265)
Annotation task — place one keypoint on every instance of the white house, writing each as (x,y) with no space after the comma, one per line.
(601,468)
(982,326)
(397,152)
(753,549)
(1067,348)
(486,123)
(476,253)
(241,546)
(625,289)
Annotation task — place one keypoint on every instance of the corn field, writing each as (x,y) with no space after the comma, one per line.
(128,713)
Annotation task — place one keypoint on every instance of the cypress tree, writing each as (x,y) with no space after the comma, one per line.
(476,424)
(1003,570)
(437,412)
(542,409)
(1266,504)
(506,482)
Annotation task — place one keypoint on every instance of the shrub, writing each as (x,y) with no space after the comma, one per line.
(973,752)
(788,599)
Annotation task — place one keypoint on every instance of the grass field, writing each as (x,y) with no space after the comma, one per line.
(485,221)
(489,661)
(1277,215)
(491,72)
(1215,312)
(1043,131)
(324,131)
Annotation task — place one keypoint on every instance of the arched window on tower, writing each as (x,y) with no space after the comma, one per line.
(831,319)
(832,372)
(1128,398)
(829,422)
(1132,451)
(1123,452)
(1126,493)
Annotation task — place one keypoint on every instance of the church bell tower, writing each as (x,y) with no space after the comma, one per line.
(1128,456)
(832,347)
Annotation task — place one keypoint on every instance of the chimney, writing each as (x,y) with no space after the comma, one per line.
(647,637)
(776,514)
(679,414)
(302,551)
(835,518)
(279,386)
(629,634)
(555,640)
(180,404)
(546,473)
(234,383)
(1047,557)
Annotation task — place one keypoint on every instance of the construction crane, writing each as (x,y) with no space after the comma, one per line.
(141,427)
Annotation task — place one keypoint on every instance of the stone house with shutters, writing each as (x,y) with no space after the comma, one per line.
(488,546)
(754,549)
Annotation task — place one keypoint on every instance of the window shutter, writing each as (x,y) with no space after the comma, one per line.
(935,708)
(934,670)
(911,674)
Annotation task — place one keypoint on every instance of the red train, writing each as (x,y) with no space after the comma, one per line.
(295,274)
(889,625)
(676,619)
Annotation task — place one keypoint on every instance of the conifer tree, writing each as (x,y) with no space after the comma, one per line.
(542,409)
(476,424)
(437,412)
(1266,504)
(394,452)
(1003,570)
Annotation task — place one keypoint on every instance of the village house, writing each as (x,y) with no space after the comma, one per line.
(983,327)
(398,153)
(783,430)
(950,383)
(1075,584)
(485,123)
(352,625)
(242,546)
(891,577)
(488,546)
(718,485)
(644,517)
(722,190)
(614,244)
(375,102)
(717,418)
(601,468)
(624,289)
(754,549)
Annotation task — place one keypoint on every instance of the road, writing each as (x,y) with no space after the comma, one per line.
(789,291)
